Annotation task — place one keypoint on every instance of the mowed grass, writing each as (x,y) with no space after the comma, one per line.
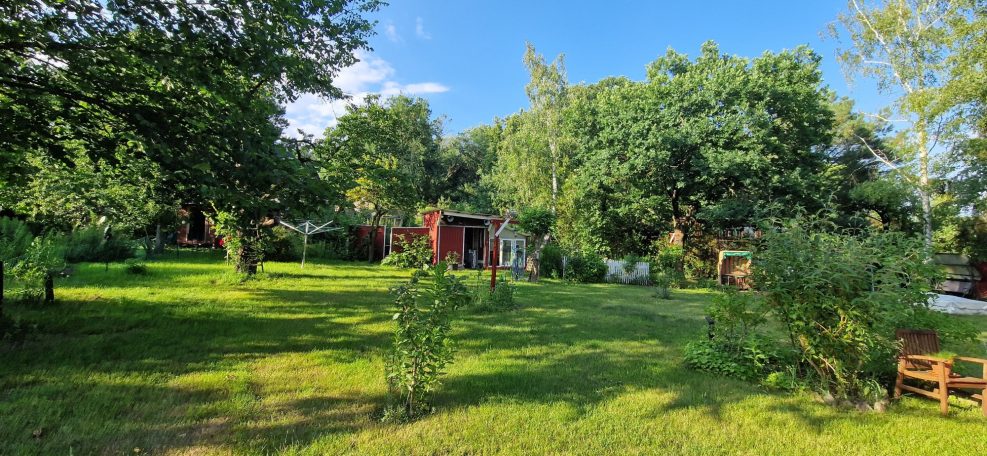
(186,361)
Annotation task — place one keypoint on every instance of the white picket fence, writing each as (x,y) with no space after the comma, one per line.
(616,273)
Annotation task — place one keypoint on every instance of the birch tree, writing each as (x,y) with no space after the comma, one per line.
(905,46)
(548,90)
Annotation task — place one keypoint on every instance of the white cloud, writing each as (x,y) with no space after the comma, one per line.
(371,74)
(391,32)
(420,29)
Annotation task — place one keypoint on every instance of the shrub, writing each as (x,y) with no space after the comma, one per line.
(136,268)
(499,300)
(36,268)
(551,261)
(282,244)
(15,239)
(89,245)
(841,295)
(752,359)
(415,252)
(663,285)
(669,261)
(585,268)
(421,347)
(734,347)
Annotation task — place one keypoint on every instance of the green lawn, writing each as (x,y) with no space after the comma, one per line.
(186,361)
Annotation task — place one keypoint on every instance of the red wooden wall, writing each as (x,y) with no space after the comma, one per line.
(450,240)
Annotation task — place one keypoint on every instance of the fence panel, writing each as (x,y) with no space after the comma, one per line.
(617,273)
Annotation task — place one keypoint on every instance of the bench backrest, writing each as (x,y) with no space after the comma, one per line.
(918,341)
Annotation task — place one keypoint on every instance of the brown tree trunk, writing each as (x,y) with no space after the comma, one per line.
(49,288)
(158,239)
(373,237)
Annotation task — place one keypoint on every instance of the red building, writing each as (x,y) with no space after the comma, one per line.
(469,236)
(195,230)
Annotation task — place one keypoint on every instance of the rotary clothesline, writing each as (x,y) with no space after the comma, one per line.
(307,228)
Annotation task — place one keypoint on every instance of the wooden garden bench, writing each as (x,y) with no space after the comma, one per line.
(914,363)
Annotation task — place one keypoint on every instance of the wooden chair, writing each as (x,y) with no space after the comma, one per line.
(914,363)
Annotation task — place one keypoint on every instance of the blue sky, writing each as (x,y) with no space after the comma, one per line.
(465,56)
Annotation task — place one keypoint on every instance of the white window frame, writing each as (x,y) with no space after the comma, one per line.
(504,261)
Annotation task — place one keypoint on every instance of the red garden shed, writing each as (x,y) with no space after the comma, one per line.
(468,235)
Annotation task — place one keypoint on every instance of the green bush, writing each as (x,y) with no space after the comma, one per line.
(663,284)
(499,300)
(841,295)
(551,261)
(15,239)
(39,263)
(421,347)
(282,244)
(415,252)
(585,267)
(669,260)
(137,268)
(89,245)
(753,359)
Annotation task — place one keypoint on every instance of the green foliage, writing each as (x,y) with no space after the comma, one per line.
(422,347)
(89,245)
(15,239)
(698,137)
(551,260)
(663,284)
(752,359)
(380,148)
(282,244)
(841,296)
(39,263)
(585,267)
(416,252)
(500,299)
(537,221)
(669,262)
(137,268)
(630,262)
(737,315)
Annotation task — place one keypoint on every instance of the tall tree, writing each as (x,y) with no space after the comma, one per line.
(533,157)
(384,143)
(905,45)
(704,142)
(196,88)
(547,90)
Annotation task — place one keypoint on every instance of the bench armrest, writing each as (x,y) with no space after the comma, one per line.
(971,360)
(928,359)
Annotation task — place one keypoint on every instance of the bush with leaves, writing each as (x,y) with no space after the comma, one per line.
(585,267)
(663,284)
(415,252)
(15,239)
(90,245)
(421,347)
(500,299)
(551,261)
(35,270)
(282,244)
(736,348)
(841,295)
(669,260)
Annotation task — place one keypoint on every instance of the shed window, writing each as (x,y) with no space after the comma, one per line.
(511,249)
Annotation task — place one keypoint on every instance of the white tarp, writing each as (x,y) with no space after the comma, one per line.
(958,306)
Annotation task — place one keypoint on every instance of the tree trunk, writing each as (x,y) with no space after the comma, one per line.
(1,289)
(535,273)
(924,190)
(553,148)
(373,237)
(49,288)
(158,239)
